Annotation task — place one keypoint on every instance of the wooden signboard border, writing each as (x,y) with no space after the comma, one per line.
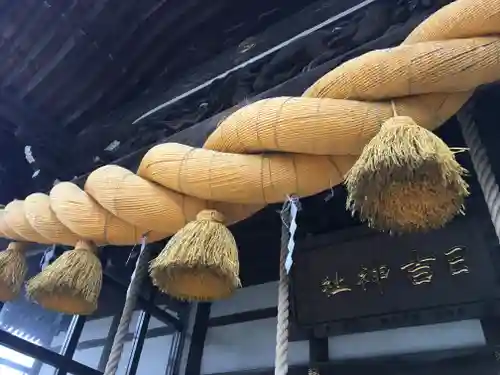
(400,299)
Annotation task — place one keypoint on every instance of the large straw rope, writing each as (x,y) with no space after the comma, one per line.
(318,137)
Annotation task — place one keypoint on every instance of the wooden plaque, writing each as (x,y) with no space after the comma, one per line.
(359,280)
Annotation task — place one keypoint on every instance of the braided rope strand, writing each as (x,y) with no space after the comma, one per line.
(281,359)
(133,291)
(482,166)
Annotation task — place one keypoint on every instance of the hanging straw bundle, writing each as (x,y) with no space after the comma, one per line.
(407,179)
(13,270)
(200,262)
(71,284)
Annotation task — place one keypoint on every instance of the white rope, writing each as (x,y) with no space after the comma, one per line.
(288,228)
(281,358)
(133,291)
(482,166)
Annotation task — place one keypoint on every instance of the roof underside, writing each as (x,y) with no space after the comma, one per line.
(74,75)
(77,60)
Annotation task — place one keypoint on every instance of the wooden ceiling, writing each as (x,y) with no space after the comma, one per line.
(67,65)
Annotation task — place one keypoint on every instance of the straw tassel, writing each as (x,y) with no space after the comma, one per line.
(13,270)
(200,262)
(406,179)
(71,284)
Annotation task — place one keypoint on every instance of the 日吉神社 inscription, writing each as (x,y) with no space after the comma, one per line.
(418,270)
(355,276)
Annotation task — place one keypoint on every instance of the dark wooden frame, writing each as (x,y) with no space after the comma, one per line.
(468,363)
(489,308)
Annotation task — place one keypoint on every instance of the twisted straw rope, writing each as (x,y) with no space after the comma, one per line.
(318,137)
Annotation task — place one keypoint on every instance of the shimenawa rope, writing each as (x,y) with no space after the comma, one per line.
(319,136)
(398,174)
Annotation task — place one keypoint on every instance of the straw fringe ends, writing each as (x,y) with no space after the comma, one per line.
(200,262)
(13,271)
(71,284)
(406,180)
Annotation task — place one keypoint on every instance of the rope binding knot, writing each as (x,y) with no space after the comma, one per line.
(211,215)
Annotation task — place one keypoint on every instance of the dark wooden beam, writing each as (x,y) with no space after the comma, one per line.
(242,317)
(99,58)
(48,356)
(476,361)
(125,78)
(51,145)
(198,336)
(318,351)
(258,45)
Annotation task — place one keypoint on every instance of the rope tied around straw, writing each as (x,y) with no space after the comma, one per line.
(211,215)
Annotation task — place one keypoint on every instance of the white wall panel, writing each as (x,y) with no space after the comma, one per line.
(187,342)
(89,357)
(246,346)
(467,333)
(247,299)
